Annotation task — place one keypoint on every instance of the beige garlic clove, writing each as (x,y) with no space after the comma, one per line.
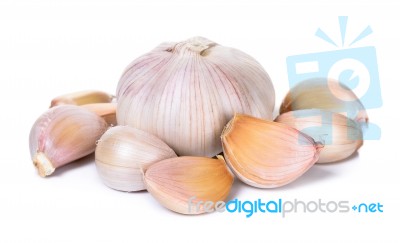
(123,153)
(62,135)
(267,154)
(186,92)
(326,94)
(81,98)
(105,110)
(185,184)
(340,135)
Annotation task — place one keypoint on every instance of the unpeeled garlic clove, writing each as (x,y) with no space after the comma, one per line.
(326,94)
(267,154)
(185,184)
(123,153)
(340,135)
(81,98)
(62,135)
(105,110)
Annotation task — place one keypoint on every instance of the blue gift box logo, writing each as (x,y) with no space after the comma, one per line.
(355,68)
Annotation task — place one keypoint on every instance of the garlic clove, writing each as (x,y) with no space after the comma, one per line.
(340,135)
(123,153)
(81,98)
(62,135)
(186,92)
(267,154)
(326,94)
(105,110)
(184,184)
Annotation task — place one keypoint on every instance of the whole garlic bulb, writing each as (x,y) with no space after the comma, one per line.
(185,93)
(123,154)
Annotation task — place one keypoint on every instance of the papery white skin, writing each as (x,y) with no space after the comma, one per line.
(123,153)
(62,135)
(185,93)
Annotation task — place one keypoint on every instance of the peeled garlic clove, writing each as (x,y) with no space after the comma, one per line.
(105,110)
(124,153)
(340,135)
(185,184)
(62,135)
(81,98)
(186,92)
(326,94)
(267,154)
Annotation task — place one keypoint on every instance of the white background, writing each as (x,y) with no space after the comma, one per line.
(52,47)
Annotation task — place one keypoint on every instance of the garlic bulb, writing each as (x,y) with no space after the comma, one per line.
(81,98)
(186,184)
(326,94)
(267,154)
(123,154)
(340,135)
(105,110)
(184,93)
(62,135)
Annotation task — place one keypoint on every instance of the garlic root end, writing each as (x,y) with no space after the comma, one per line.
(43,164)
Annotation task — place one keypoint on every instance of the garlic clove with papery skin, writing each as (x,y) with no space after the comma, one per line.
(105,110)
(185,184)
(123,154)
(326,94)
(340,135)
(185,92)
(81,98)
(267,154)
(62,135)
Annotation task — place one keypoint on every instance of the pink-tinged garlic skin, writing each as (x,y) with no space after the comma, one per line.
(176,181)
(267,154)
(62,135)
(185,93)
